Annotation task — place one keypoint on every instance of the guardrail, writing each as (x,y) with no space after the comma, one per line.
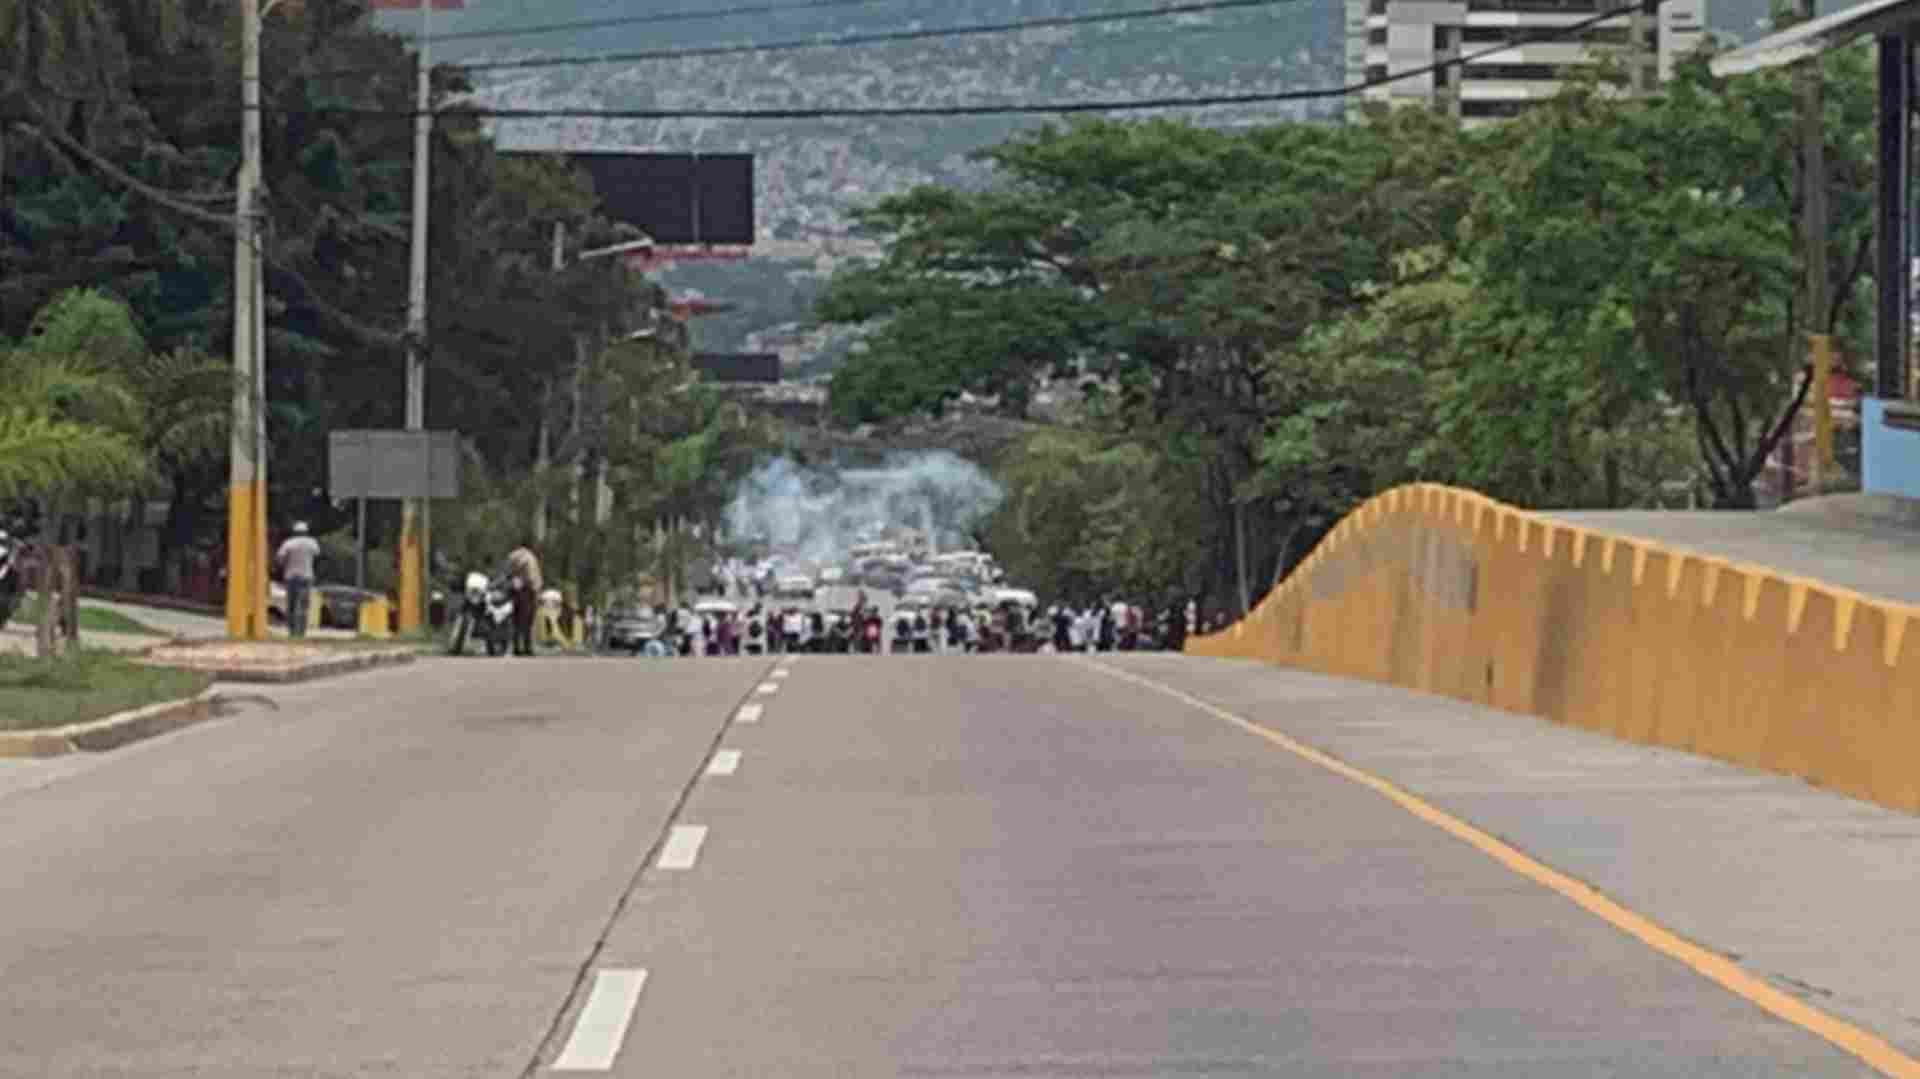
(1447,591)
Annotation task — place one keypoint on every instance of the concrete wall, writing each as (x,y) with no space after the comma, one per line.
(1444,590)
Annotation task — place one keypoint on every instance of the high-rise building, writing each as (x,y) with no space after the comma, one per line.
(1389,37)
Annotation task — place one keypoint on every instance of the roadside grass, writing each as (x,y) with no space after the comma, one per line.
(92,619)
(39,693)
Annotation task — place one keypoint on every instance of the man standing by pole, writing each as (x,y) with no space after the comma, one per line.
(296,558)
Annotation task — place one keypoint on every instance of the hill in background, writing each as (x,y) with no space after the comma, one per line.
(811,173)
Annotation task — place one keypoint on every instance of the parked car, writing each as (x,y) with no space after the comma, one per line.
(794,586)
(631,628)
(338,604)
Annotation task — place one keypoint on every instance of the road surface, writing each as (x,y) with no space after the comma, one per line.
(911,866)
(1877,556)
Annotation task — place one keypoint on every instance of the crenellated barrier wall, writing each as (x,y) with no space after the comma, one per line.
(1447,591)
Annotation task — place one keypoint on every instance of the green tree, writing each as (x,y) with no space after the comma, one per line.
(1167,269)
(1647,246)
(72,421)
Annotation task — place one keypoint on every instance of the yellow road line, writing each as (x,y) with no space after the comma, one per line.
(1873,1050)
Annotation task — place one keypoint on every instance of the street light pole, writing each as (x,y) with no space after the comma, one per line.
(246,601)
(412,526)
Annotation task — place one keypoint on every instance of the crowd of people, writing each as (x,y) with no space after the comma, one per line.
(772,629)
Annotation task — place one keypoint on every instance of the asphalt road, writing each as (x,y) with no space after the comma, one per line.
(903,866)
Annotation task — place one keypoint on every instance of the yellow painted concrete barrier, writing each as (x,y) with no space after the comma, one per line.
(373,618)
(1447,591)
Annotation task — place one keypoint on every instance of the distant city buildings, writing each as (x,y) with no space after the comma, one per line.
(1386,38)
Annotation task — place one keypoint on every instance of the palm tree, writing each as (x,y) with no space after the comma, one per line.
(65,428)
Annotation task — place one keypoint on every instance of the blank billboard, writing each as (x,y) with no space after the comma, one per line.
(676,198)
(738,366)
(393,464)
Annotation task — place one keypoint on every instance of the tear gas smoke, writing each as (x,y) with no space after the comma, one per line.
(819,515)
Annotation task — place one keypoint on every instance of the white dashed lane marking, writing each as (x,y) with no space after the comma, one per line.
(749,713)
(724,763)
(769,688)
(683,846)
(781,673)
(602,1024)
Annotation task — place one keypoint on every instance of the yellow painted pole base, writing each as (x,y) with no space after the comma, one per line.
(246,562)
(410,554)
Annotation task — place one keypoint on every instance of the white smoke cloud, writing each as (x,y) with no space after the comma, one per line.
(819,515)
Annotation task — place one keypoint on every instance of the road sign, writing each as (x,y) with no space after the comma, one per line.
(393,464)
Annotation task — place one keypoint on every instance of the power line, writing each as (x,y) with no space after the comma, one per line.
(886,37)
(934,111)
(645,20)
(1017,109)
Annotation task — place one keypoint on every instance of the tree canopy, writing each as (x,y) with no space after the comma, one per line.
(1573,308)
(119,130)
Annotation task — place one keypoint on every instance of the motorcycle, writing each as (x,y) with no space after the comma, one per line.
(10,586)
(486,612)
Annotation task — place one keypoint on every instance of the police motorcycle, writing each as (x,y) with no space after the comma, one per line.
(486,612)
(756,639)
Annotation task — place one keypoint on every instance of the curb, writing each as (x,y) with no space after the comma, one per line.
(99,735)
(308,672)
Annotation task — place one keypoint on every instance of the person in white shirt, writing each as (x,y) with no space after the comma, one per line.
(295,559)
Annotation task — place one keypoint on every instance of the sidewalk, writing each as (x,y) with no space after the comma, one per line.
(1807,889)
(170,623)
(173,623)
(1853,541)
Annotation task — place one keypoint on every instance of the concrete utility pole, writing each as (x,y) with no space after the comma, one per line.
(413,542)
(1813,226)
(546,405)
(246,605)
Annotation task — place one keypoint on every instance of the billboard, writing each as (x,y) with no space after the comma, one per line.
(738,366)
(676,198)
(393,464)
